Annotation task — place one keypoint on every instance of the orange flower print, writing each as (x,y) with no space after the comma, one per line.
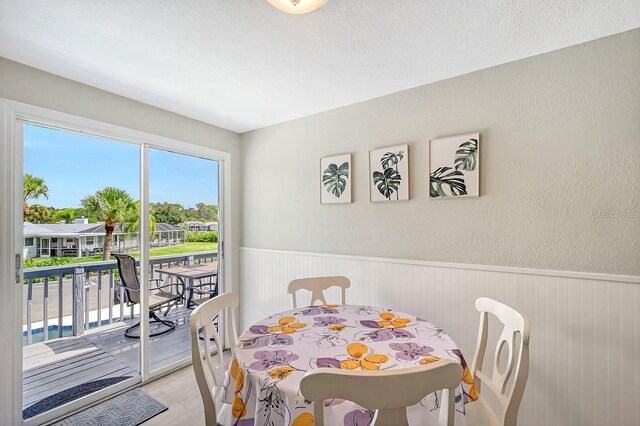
(361,358)
(467,377)
(304,419)
(238,375)
(337,327)
(238,409)
(281,373)
(429,360)
(390,320)
(286,325)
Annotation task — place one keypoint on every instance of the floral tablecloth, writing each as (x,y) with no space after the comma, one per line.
(263,382)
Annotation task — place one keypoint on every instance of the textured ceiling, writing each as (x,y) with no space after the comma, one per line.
(243,65)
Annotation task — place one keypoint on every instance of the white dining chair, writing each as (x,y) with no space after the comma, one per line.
(506,394)
(316,285)
(402,388)
(210,373)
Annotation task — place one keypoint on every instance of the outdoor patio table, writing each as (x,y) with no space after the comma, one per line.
(187,274)
(263,382)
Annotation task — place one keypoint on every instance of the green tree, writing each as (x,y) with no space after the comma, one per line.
(113,206)
(206,212)
(40,214)
(34,187)
(170,213)
(132,222)
(65,215)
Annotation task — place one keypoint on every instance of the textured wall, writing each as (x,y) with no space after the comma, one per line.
(560,176)
(32,86)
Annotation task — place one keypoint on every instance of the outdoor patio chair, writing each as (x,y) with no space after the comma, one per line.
(158,299)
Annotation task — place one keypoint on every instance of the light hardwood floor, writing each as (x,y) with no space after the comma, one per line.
(179,392)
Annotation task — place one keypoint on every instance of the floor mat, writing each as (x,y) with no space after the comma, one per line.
(129,409)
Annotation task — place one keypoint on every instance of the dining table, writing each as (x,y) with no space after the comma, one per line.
(262,384)
(188,274)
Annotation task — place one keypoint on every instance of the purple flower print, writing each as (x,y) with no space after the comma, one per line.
(358,418)
(327,321)
(258,329)
(410,351)
(268,359)
(327,363)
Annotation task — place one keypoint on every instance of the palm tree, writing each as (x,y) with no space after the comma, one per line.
(133,221)
(113,206)
(34,187)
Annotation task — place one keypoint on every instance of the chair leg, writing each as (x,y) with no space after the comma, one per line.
(170,326)
(127,332)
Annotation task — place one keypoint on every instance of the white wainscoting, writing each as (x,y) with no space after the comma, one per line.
(585,328)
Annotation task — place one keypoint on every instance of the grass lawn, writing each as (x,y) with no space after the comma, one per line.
(162,251)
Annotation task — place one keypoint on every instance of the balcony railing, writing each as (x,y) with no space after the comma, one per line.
(69,299)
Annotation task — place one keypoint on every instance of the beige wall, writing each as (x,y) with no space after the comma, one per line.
(560,168)
(32,86)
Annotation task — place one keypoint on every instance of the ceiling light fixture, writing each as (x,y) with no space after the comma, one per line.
(297,7)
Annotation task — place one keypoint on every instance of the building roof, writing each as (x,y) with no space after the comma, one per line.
(78,229)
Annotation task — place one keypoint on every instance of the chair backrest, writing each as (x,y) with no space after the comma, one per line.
(517,364)
(210,374)
(128,277)
(402,388)
(316,285)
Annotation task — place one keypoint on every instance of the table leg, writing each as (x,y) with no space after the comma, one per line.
(190,298)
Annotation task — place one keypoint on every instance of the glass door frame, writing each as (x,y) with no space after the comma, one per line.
(12,117)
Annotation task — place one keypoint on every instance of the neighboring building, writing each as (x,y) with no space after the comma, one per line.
(200,226)
(85,239)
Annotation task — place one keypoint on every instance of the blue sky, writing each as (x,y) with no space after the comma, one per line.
(75,165)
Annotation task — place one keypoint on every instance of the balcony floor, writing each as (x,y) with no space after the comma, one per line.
(61,364)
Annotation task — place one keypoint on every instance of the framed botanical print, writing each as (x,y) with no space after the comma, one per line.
(335,179)
(454,166)
(389,173)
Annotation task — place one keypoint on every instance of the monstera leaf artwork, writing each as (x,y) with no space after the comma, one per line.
(391,159)
(454,166)
(467,155)
(389,173)
(335,178)
(387,182)
(445,182)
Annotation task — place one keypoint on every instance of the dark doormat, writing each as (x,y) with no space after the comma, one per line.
(129,409)
(69,395)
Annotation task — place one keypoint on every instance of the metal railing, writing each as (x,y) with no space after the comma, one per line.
(68,280)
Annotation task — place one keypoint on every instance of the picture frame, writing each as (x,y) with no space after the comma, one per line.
(454,166)
(389,173)
(336,175)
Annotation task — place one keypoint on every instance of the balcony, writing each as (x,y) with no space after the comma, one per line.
(73,331)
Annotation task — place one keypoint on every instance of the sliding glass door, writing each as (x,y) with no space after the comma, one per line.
(81,193)
(121,242)
(183,249)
